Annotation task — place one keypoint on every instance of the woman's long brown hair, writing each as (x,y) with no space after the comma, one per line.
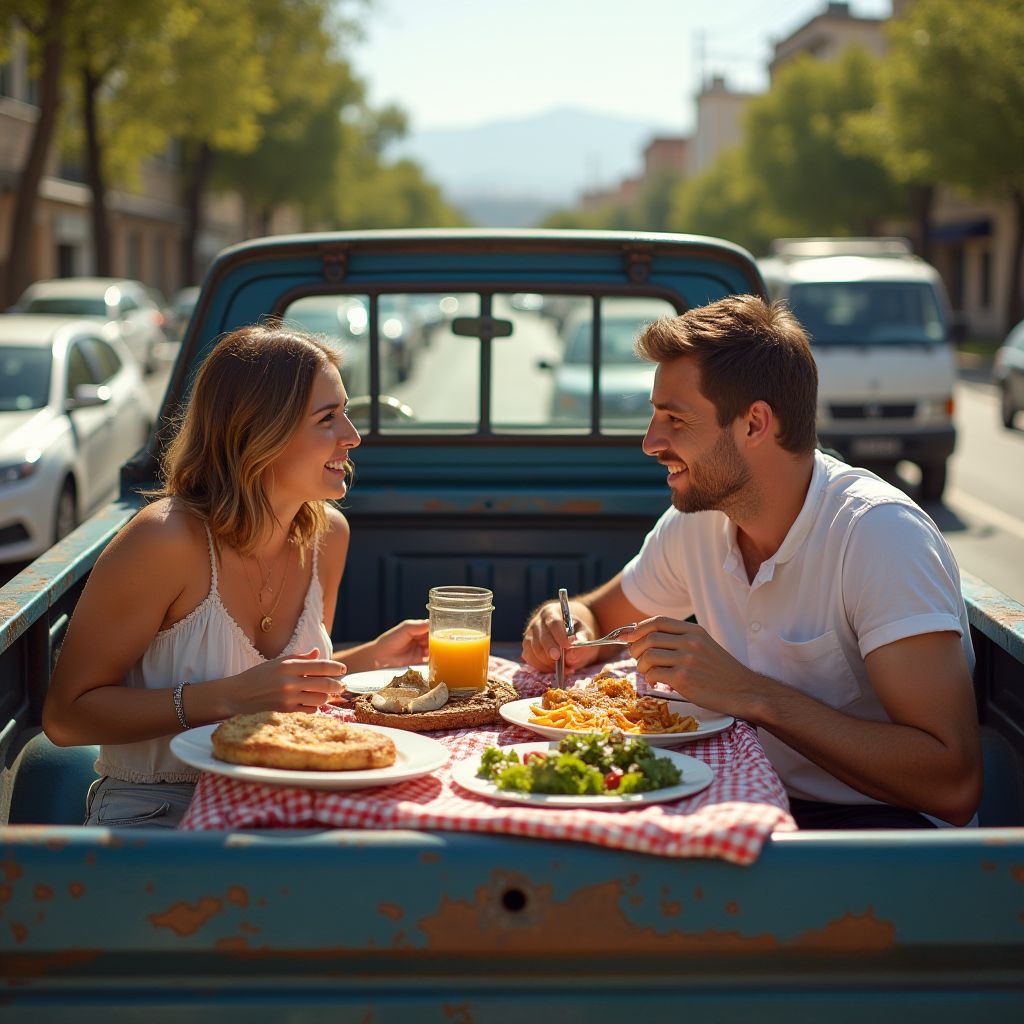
(249,396)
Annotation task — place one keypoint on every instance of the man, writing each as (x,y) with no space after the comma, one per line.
(828,605)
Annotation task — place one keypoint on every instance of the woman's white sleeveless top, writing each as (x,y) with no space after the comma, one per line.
(206,644)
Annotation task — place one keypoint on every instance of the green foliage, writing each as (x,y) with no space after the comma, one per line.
(392,195)
(797,139)
(729,200)
(952,93)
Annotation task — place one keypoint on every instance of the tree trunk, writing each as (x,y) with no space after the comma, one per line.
(94,174)
(922,199)
(1014,303)
(196,174)
(20,271)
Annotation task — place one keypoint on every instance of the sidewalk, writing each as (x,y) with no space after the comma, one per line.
(974,367)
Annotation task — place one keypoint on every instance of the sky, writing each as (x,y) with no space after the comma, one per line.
(451,63)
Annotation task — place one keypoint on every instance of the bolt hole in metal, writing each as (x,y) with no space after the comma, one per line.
(513,900)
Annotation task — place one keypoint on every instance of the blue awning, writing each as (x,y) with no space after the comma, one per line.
(961,230)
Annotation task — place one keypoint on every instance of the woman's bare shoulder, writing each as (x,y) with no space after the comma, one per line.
(338,530)
(162,533)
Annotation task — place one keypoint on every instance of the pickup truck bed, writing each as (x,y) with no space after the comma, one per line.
(400,926)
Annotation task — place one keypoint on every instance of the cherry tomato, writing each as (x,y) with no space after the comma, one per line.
(534,755)
(613,778)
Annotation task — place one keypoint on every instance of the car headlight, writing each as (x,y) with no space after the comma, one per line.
(12,472)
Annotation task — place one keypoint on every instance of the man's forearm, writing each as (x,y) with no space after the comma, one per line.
(898,764)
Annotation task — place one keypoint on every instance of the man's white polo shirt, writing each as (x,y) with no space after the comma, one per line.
(861,567)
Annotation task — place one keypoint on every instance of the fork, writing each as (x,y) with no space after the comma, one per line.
(570,630)
(608,638)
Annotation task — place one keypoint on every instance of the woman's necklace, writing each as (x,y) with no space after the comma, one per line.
(267,618)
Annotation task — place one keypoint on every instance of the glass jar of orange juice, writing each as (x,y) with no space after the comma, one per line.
(460,637)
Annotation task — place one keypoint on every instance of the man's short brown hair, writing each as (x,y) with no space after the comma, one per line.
(748,351)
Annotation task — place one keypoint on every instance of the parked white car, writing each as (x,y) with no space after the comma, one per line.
(73,408)
(124,304)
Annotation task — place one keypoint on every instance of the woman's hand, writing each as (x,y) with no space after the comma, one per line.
(300,682)
(402,645)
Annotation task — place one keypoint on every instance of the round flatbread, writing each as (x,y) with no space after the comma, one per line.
(300,741)
(461,712)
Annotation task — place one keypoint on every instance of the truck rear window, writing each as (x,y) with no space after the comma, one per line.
(487,363)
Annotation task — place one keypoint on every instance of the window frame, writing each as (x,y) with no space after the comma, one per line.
(484,431)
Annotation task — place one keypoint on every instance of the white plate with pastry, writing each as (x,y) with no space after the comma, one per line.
(415,755)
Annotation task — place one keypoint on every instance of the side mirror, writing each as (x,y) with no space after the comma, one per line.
(87,396)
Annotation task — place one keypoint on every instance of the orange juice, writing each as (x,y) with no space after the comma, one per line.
(458,658)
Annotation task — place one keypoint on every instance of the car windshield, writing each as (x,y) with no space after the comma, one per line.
(24,378)
(617,337)
(67,305)
(868,312)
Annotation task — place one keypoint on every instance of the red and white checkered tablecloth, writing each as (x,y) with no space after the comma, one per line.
(730,819)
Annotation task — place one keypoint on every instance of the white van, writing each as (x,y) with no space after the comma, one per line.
(879,324)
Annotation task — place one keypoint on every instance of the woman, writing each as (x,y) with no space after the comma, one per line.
(216,599)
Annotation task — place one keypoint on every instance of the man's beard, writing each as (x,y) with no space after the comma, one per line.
(717,481)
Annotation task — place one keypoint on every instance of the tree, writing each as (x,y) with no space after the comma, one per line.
(729,200)
(951,99)
(797,140)
(313,89)
(397,195)
(45,22)
(103,46)
(207,87)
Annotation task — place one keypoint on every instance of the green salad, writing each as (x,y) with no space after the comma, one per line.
(602,764)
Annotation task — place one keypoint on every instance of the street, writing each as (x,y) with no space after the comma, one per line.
(982,514)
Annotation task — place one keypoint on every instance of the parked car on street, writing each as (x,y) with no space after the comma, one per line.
(125,304)
(181,307)
(342,320)
(882,335)
(1008,374)
(625,380)
(73,408)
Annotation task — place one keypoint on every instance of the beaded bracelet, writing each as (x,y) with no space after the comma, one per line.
(179,707)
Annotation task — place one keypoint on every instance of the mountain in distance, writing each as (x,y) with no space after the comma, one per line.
(512,173)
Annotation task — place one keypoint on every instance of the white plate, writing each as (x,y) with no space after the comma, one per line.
(696,776)
(371,682)
(709,723)
(417,755)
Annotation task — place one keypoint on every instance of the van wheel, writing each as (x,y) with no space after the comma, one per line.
(1006,409)
(933,481)
(66,518)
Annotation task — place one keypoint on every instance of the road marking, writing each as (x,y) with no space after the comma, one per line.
(982,510)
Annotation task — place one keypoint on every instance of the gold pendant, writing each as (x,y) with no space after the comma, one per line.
(265,623)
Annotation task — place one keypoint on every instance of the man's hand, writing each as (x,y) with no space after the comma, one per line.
(683,656)
(545,638)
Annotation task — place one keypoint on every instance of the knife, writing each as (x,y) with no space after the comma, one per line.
(570,630)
